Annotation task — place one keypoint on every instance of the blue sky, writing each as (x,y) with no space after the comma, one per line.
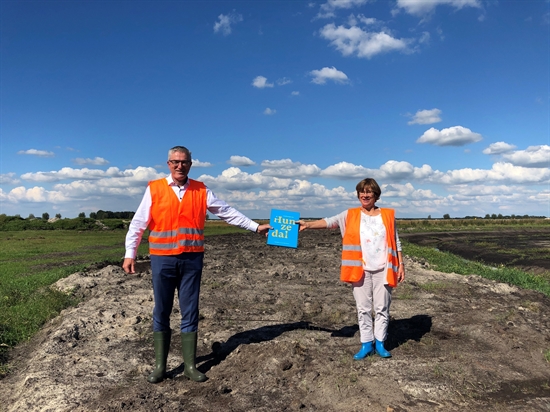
(283,104)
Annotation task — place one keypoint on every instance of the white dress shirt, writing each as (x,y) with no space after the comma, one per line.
(216,206)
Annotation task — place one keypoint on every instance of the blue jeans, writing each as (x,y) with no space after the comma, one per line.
(182,273)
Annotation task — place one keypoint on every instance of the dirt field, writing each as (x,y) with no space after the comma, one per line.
(277,333)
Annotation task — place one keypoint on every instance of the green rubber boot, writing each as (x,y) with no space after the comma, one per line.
(189,352)
(162,346)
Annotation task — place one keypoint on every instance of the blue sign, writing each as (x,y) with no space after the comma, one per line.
(285,229)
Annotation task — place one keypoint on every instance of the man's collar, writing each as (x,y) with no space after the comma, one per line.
(171,182)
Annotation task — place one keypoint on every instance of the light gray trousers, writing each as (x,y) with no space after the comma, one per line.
(372,295)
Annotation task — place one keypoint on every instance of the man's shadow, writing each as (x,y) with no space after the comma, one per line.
(400,331)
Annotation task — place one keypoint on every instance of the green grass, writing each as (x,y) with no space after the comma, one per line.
(453,225)
(30,261)
(449,263)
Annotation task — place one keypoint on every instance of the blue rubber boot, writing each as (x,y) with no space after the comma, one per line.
(367,349)
(382,352)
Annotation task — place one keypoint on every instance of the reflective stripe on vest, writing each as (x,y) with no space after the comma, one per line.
(177,226)
(181,230)
(352,258)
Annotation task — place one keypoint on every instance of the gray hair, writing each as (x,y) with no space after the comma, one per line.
(180,149)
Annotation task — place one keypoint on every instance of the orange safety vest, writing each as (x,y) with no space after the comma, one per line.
(352,257)
(177,226)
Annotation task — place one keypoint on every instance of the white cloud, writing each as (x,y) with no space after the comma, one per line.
(8,179)
(397,170)
(198,163)
(423,173)
(34,152)
(283,81)
(498,148)
(225,22)
(240,161)
(353,20)
(533,156)
(328,73)
(486,190)
(423,7)
(33,195)
(143,174)
(295,93)
(234,178)
(97,161)
(287,168)
(331,5)
(269,112)
(452,136)
(426,117)
(346,170)
(354,40)
(424,38)
(500,172)
(261,82)
(406,191)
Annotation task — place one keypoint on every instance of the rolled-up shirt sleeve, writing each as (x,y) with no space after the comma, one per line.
(337,221)
(397,241)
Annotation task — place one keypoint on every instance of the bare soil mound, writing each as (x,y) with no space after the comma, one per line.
(277,333)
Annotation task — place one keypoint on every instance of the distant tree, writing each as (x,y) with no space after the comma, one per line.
(93,215)
(446,216)
(82,214)
(493,216)
(31,216)
(487,216)
(45,216)
(102,214)
(429,216)
(500,216)
(58,215)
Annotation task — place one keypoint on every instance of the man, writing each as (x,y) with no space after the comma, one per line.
(174,208)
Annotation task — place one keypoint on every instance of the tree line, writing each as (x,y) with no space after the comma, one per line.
(100,220)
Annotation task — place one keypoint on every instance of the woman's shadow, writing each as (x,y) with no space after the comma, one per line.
(399,332)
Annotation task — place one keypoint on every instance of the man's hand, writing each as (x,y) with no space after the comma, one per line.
(128,265)
(264,229)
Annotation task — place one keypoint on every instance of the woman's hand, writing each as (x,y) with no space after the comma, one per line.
(303,225)
(312,224)
(401,273)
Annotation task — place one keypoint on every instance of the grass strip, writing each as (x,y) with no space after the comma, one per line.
(449,263)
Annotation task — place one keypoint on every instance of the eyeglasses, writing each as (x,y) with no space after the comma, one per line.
(178,162)
(366,194)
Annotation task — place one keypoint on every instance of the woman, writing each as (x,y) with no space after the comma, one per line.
(372,262)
